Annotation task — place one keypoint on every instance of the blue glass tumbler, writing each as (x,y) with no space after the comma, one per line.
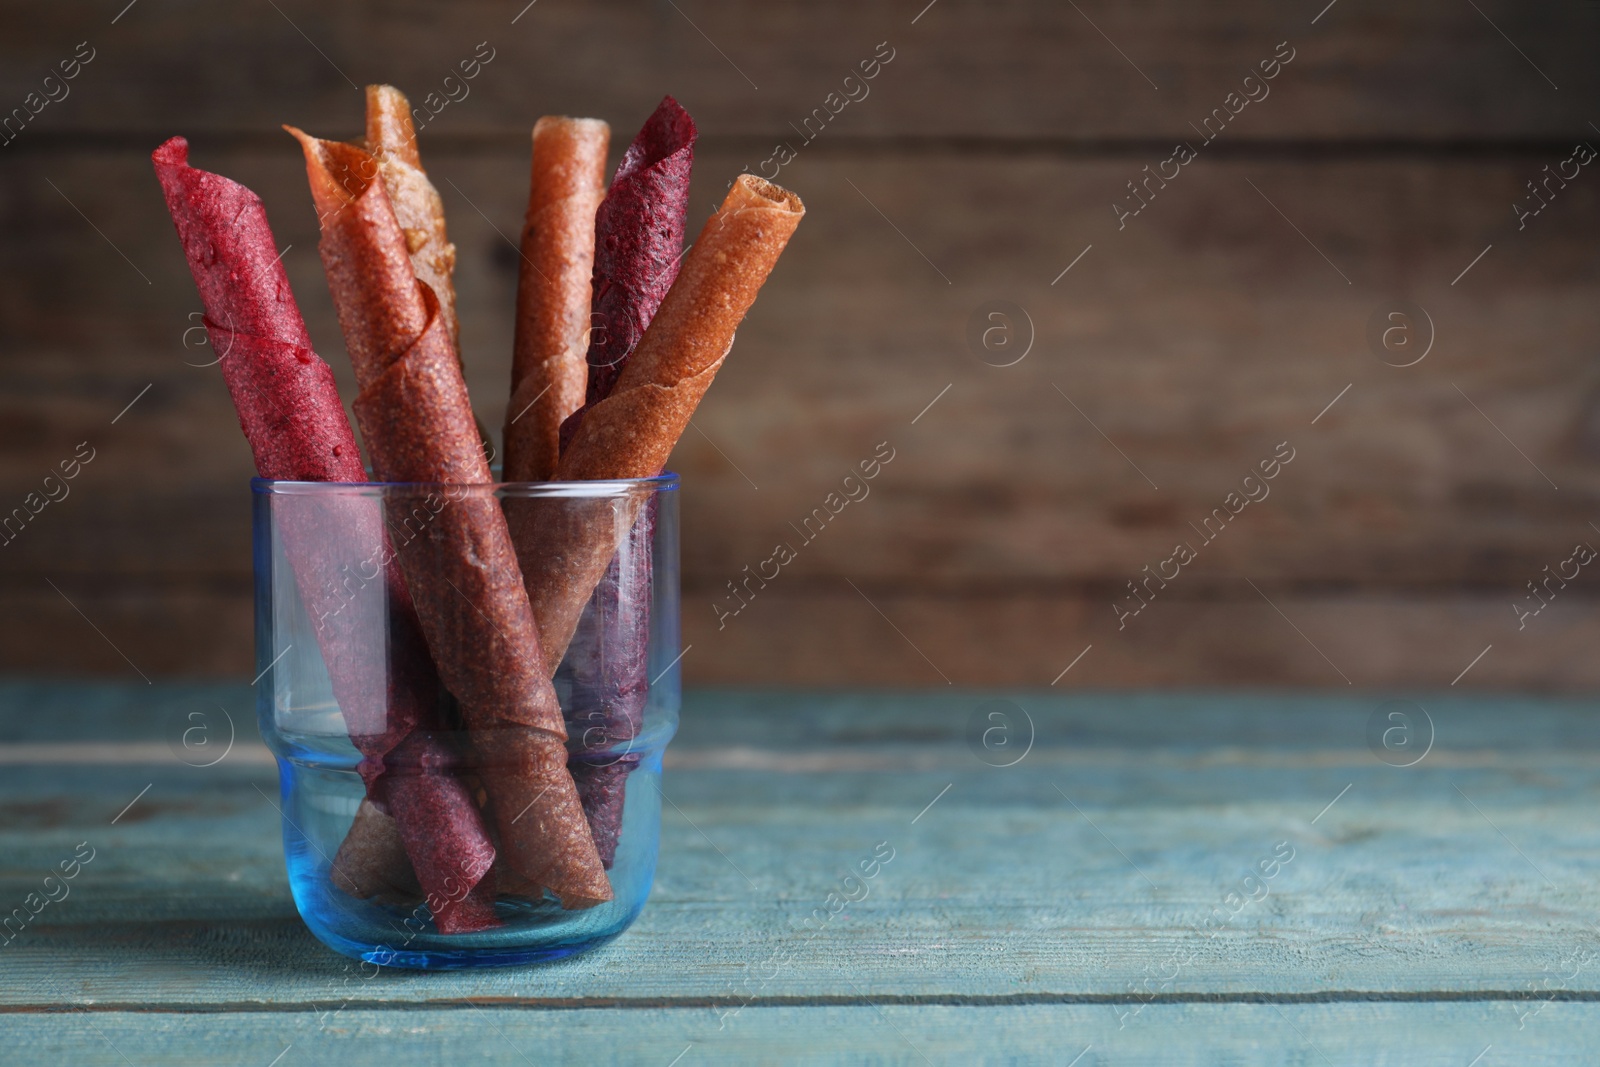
(341,652)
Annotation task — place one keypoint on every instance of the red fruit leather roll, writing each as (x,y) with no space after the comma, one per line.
(416,419)
(638,243)
(289,409)
(638,240)
(606,671)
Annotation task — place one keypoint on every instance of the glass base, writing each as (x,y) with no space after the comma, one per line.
(512,945)
(403,933)
(457,959)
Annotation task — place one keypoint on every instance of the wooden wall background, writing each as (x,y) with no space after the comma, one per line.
(1217,324)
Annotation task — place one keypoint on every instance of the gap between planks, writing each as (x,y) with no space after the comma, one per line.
(702,1003)
(908,757)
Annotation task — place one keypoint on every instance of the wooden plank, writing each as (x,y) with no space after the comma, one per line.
(1013,70)
(123,627)
(1257,335)
(1400,884)
(721,723)
(1186,1035)
(1005,512)
(1224,635)
(834,635)
(809,720)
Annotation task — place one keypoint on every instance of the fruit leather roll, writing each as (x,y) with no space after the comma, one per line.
(605,673)
(631,432)
(638,240)
(549,349)
(637,236)
(639,231)
(602,785)
(416,419)
(290,412)
(392,141)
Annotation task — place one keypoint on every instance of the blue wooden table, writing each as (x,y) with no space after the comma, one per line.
(1177,879)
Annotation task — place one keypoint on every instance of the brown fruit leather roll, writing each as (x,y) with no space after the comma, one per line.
(417,422)
(372,861)
(630,433)
(392,141)
(603,787)
(290,412)
(548,368)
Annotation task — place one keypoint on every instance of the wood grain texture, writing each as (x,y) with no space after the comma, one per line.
(1006,525)
(1178,352)
(1180,1035)
(1420,907)
(1014,69)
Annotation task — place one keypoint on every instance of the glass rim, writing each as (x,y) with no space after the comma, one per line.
(666,481)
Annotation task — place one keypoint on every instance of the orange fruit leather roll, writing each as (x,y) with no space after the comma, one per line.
(549,369)
(392,141)
(564,552)
(416,420)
